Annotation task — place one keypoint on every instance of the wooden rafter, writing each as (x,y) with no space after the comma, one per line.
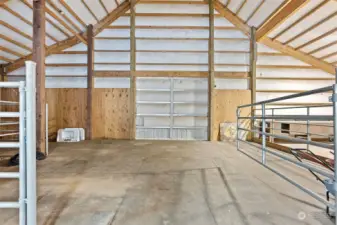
(328,56)
(80,37)
(323,47)
(311,28)
(64,16)
(62,45)
(103,6)
(89,10)
(312,11)
(316,39)
(2,36)
(48,20)
(3,58)
(275,44)
(3,23)
(23,19)
(241,7)
(231,17)
(10,51)
(255,10)
(71,11)
(2,2)
(286,10)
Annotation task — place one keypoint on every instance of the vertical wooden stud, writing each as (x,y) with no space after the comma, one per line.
(39,36)
(211,73)
(90,37)
(2,72)
(132,106)
(253,59)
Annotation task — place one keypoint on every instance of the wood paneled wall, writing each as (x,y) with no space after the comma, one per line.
(66,108)
(226,103)
(111,115)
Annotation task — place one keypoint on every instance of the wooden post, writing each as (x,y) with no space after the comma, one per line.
(211,73)
(90,37)
(2,72)
(39,35)
(132,106)
(253,59)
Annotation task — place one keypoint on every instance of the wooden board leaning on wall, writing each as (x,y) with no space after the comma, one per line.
(226,103)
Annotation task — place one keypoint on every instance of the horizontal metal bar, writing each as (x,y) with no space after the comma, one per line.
(9,205)
(311,124)
(8,103)
(9,114)
(315,91)
(9,144)
(302,141)
(291,117)
(9,175)
(9,84)
(296,132)
(301,164)
(8,123)
(306,190)
(295,107)
(9,134)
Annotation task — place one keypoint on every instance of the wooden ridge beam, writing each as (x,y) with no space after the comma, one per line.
(285,11)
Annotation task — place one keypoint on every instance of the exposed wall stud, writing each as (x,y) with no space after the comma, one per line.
(211,72)
(253,60)
(132,107)
(90,37)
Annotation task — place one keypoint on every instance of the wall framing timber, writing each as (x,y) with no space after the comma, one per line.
(90,65)
(39,35)
(211,70)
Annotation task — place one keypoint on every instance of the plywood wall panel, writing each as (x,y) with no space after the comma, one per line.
(111,113)
(225,103)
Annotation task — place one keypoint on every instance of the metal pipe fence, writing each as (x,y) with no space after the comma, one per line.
(263,128)
(26,144)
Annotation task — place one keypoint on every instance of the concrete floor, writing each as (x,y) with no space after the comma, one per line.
(165,183)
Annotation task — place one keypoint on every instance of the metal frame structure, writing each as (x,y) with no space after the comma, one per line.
(26,144)
(330,175)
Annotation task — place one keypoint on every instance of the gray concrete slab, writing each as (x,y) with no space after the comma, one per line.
(165,183)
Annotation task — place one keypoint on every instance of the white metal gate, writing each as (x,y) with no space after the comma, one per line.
(26,144)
